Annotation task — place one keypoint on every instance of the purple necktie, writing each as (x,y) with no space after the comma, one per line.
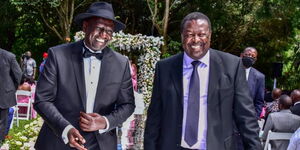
(192,116)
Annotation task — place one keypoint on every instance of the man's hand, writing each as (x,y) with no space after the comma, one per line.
(75,139)
(91,122)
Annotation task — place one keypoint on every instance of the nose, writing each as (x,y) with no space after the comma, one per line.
(103,34)
(197,38)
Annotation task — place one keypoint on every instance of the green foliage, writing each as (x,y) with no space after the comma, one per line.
(19,137)
(174,48)
(9,16)
(37,3)
(272,26)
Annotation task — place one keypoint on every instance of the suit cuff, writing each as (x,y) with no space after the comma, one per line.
(107,126)
(65,134)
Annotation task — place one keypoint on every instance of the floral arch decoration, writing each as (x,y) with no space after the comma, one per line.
(149,50)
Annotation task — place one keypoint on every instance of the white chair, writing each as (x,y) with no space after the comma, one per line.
(25,116)
(276,136)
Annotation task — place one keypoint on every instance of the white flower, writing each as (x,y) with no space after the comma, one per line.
(149,46)
(23,138)
(18,143)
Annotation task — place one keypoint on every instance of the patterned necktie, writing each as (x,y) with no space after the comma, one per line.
(87,53)
(192,116)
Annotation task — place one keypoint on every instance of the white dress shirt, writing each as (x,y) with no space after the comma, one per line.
(296,104)
(247,73)
(203,72)
(92,67)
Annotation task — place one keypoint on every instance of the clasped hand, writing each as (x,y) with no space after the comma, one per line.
(88,122)
(91,122)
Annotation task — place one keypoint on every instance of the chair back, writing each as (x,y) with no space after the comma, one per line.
(276,136)
(23,93)
(25,116)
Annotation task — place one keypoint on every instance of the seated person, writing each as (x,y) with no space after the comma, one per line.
(27,84)
(282,121)
(295,95)
(273,106)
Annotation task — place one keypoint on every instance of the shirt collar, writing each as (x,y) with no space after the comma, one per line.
(297,103)
(286,110)
(187,60)
(248,69)
(90,49)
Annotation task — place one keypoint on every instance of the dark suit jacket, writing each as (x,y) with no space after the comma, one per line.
(228,104)
(10,77)
(296,109)
(61,95)
(256,83)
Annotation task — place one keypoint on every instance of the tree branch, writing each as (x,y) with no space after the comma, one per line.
(50,27)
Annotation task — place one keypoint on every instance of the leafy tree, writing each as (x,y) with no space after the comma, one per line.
(9,16)
(57,15)
(160,16)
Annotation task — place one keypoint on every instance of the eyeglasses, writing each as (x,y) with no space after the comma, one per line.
(103,29)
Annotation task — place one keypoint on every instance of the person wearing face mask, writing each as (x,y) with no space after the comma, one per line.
(28,65)
(256,79)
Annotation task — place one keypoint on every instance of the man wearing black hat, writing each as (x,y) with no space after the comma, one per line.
(85,90)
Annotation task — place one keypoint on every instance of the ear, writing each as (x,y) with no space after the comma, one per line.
(84,26)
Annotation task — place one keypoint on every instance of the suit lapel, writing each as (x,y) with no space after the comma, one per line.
(77,61)
(176,76)
(215,72)
(105,76)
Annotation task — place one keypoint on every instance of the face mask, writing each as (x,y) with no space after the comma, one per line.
(27,57)
(248,61)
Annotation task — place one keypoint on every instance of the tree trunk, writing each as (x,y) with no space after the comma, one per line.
(165,27)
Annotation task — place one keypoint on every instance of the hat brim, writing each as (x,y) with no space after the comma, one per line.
(83,16)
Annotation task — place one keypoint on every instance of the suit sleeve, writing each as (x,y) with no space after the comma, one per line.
(46,94)
(260,94)
(244,112)
(125,104)
(16,72)
(152,128)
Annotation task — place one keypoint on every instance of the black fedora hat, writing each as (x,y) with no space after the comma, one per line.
(103,10)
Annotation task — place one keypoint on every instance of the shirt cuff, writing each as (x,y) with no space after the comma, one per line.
(64,135)
(107,126)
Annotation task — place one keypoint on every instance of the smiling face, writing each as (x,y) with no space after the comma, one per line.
(195,38)
(98,32)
